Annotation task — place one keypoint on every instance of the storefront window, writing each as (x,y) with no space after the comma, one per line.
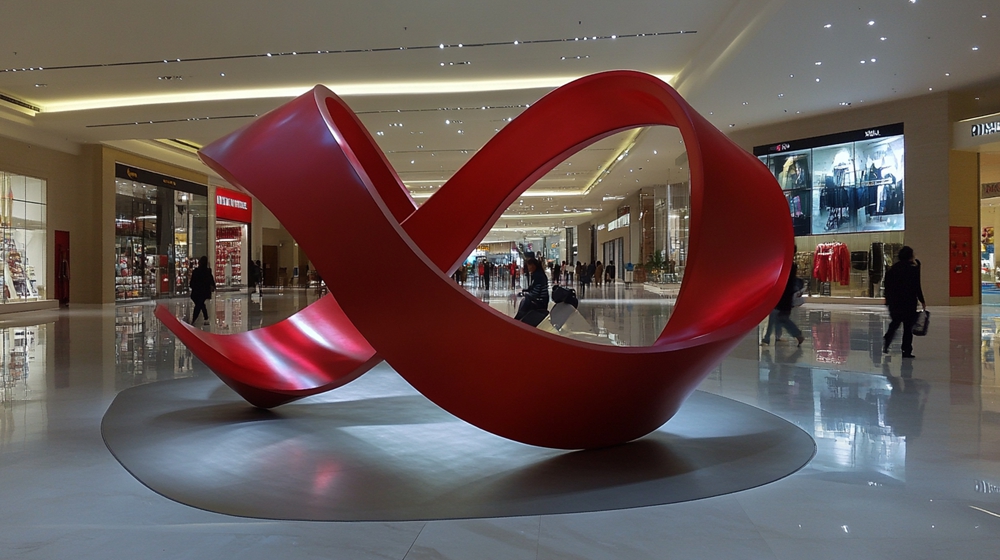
(159,231)
(22,227)
(845,197)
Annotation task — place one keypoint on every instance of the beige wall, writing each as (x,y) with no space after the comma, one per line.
(927,129)
(964,207)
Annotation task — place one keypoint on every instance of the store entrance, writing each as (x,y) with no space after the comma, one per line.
(989,222)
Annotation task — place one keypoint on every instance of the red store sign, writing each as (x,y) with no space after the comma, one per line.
(233,205)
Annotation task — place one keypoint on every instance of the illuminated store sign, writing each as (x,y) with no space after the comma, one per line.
(145,177)
(985,129)
(233,205)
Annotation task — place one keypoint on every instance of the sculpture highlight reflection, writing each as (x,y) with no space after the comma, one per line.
(344,188)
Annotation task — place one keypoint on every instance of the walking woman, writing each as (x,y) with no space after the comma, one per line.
(202,286)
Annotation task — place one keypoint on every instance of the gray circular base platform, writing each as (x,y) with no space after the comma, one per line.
(377,450)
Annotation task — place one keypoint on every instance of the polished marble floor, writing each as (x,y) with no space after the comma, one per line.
(908,461)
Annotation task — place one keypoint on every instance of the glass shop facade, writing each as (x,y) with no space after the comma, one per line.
(845,194)
(161,228)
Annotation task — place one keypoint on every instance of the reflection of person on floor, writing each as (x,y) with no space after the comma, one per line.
(537,294)
(902,292)
(202,286)
(904,412)
(781,316)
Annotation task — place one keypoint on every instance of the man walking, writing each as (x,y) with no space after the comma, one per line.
(902,292)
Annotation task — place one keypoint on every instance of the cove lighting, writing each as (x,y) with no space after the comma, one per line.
(344,90)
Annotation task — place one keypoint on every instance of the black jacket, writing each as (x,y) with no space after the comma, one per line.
(902,287)
(202,284)
(784,306)
(538,289)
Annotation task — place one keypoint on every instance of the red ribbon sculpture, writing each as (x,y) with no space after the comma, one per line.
(351,209)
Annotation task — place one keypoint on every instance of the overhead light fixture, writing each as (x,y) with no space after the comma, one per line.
(343,90)
(871,22)
(828,26)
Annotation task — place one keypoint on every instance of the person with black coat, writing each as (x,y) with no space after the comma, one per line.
(202,286)
(902,292)
(537,294)
(784,308)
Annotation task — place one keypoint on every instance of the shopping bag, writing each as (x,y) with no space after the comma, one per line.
(922,324)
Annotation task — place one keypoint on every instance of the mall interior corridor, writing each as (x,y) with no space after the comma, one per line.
(905,465)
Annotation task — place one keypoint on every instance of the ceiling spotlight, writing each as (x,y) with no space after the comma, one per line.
(881,38)
(746,102)
(975,48)
(781,95)
(791,75)
(41,85)
(871,22)
(817,80)
(828,26)
(819,64)
(947,74)
(862,62)
(441,46)
(873,60)
(223,74)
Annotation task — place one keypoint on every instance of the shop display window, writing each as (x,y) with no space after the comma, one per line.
(845,197)
(158,233)
(230,254)
(23,233)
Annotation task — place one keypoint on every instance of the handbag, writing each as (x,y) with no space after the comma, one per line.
(922,324)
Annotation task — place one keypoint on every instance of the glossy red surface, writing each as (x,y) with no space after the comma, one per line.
(602,395)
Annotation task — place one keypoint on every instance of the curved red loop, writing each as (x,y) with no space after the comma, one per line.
(603,395)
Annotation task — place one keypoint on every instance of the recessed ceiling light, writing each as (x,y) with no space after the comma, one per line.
(817,79)
(881,38)
(862,62)
(746,102)
(947,73)
(791,75)
(873,60)
(654,152)
(930,89)
(41,85)
(731,125)
(819,64)
(975,48)
(412,161)
(829,25)
(871,22)
(781,95)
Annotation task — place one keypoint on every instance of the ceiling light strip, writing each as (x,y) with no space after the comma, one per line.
(348,51)
(168,121)
(425,110)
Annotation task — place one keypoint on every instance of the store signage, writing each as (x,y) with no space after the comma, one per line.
(619,223)
(145,177)
(233,205)
(831,139)
(990,190)
(985,129)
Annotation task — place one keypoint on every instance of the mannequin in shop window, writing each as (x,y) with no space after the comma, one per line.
(202,286)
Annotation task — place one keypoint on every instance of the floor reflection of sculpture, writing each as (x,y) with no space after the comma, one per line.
(334,160)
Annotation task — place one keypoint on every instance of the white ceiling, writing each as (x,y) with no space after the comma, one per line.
(734,62)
